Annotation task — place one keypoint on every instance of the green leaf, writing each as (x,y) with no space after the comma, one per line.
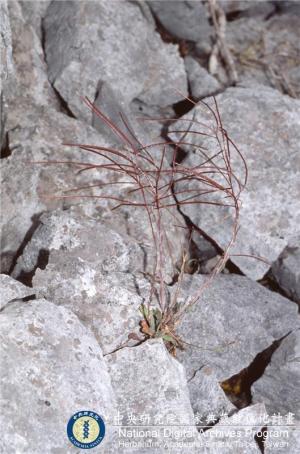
(158,316)
(144,311)
(168,338)
(151,320)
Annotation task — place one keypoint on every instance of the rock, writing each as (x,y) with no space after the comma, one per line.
(79,56)
(108,304)
(288,6)
(265,127)
(25,126)
(34,12)
(286,438)
(35,335)
(207,397)
(242,8)
(86,268)
(203,249)
(279,385)
(266,51)
(5,43)
(141,133)
(112,104)
(184,19)
(12,290)
(286,269)
(234,320)
(294,79)
(30,85)
(151,391)
(6,69)
(232,435)
(84,239)
(38,137)
(201,82)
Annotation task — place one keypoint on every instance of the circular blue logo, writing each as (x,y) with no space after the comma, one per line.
(86,429)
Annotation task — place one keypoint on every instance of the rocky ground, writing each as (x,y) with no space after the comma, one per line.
(74,272)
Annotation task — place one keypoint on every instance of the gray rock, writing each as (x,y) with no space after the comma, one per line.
(201,82)
(235,435)
(204,250)
(151,386)
(113,105)
(87,270)
(294,79)
(6,69)
(108,304)
(37,135)
(52,367)
(33,13)
(266,51)
(288,6)
(207,397)
(286,269)
(10,290)
(265,127)
(184,19)
(234,320)
(248,8)
(287,440)
(84,239)
(278,387)
(30,85)
(79,55)
(40,138)
(5,43)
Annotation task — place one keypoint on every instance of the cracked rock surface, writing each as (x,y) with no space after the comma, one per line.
(158,393)
(207,396)
(38,138)
(12,290)
(286,269)
(43,347)
(277,387)
(220,327)
(77,52)
(226,425)
(257,119)
(186,20)
(77,270)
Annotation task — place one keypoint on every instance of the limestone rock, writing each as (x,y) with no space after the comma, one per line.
(108,304)
(234,320)
(235,435)
(279,385)
(264,125)
(286,441)
(34,12)
(10,290)
(52,367)
(202,83)
(207,396)
(79,56)
(184,19)
(39,137)
(266,52)
(82,238)
(151,390)
(86,268)
(286,269)
(31,83)
(247,8)
(5,43)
